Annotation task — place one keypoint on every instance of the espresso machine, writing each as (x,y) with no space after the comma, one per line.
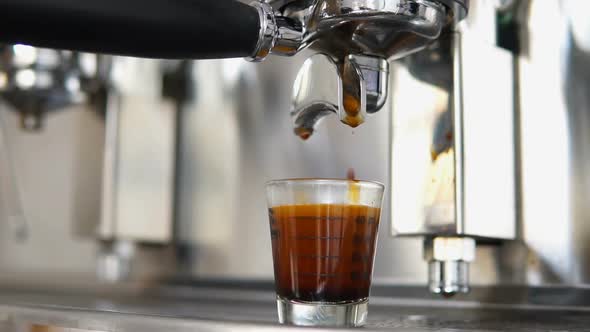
(147,212)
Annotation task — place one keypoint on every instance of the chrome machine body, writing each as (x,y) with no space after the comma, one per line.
(443,185)
(481,139)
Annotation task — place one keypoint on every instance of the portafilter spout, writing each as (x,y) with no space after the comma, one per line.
(355,39)
(351,89)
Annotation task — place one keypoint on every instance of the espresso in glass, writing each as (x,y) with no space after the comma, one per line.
(323,252)
(323,246)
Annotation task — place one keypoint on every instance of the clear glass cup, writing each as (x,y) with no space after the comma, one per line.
(323,235)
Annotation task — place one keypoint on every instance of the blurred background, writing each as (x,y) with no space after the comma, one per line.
(118,170)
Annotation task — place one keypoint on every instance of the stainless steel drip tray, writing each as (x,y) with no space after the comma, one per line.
(245,307)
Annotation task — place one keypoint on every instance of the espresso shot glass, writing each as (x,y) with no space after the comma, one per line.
(323,234)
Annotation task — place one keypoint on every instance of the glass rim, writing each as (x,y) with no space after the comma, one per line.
(363,183)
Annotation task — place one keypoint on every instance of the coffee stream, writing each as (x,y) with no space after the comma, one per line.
(354,189)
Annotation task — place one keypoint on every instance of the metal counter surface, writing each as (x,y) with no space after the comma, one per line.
(253,308)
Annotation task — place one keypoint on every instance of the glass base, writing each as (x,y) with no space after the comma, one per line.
(322,314)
